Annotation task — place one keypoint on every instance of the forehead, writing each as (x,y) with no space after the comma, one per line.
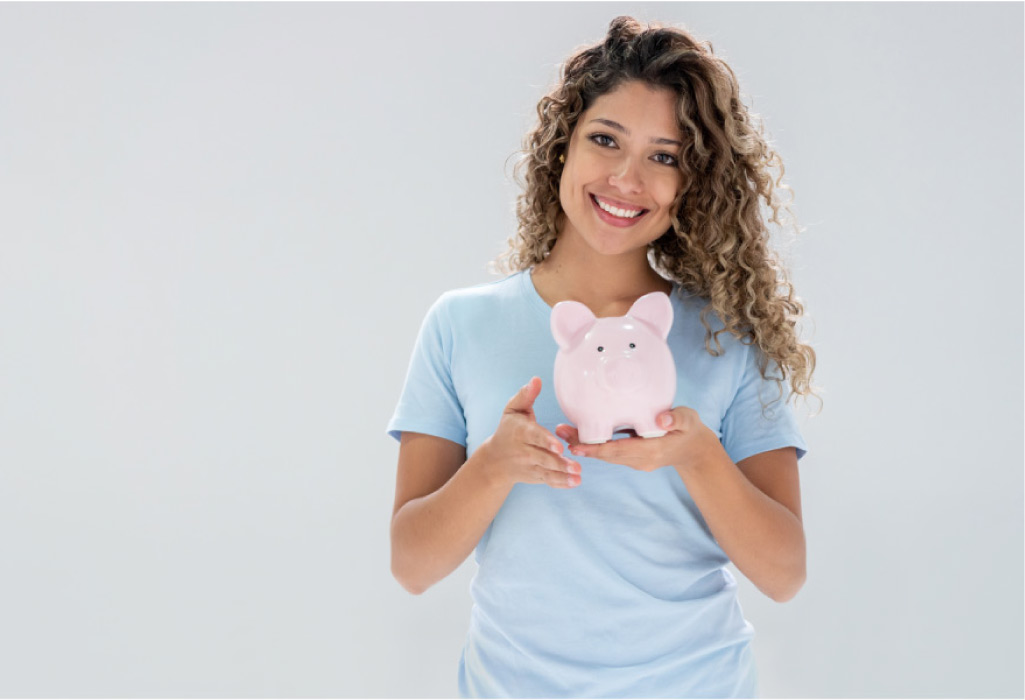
(643,110)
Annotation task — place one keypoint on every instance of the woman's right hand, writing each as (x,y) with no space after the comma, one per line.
(521,451)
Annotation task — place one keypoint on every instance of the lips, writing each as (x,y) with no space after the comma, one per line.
(616,204)
(612,219)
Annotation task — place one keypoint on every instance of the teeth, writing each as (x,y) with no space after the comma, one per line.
(621,213)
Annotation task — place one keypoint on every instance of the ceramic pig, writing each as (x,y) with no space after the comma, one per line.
(617,372)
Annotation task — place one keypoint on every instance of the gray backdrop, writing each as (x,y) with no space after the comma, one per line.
(223,223)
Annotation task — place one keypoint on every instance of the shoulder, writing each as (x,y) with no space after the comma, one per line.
(503,288)
(692,312)
(475,310)
(724,356)
(483,298)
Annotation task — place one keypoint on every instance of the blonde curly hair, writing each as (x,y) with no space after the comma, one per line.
(718,247)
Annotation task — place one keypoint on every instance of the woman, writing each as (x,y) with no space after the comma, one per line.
(601,573)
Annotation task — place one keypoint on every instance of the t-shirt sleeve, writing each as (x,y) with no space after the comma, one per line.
(745,429)
(428,402)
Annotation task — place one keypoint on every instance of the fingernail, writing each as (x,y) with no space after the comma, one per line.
(665,420)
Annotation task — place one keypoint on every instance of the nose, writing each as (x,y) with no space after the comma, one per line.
(626,177)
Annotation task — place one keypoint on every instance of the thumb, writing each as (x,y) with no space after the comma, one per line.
(673,418)
(523,401)
(666,420)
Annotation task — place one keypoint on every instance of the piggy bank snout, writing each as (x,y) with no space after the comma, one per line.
(622,374)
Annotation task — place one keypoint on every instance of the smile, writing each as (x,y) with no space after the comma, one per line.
(615,215)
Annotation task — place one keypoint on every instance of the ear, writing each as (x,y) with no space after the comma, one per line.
(569,320)
(656,310)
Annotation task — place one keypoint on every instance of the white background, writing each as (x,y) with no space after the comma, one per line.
(221,226)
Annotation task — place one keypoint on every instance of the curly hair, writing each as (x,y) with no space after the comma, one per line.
(718,246)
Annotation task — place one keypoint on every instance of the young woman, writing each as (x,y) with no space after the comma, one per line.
(601,567)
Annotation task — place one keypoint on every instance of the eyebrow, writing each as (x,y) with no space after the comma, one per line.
(619,127)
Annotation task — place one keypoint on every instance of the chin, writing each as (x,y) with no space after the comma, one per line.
(617,248)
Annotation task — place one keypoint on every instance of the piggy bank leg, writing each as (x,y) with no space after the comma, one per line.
(648,429)
(594,433)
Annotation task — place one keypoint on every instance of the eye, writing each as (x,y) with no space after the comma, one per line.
(601,348)
(632,346)
(606,141)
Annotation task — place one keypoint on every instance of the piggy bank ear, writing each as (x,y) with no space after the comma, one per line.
(656,310)
(570,319)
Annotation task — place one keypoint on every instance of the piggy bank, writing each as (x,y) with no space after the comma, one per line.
(617,372)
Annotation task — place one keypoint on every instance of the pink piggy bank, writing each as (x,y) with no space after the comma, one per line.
(617,372)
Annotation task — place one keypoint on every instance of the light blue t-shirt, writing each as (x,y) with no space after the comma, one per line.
(615,588)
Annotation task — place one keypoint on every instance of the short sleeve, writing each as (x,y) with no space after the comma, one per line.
(429,403)
(746,430)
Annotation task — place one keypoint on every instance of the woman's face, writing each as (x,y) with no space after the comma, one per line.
(622,155)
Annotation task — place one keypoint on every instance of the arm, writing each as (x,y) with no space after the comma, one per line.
(443,505)
(444,502)
(753,509)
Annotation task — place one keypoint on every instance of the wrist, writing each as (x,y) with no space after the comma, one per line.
(706,453)
(482,464)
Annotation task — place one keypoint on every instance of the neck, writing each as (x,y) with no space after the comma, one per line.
(607,284)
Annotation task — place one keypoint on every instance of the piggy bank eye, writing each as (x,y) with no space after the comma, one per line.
(632,346)
(601,348)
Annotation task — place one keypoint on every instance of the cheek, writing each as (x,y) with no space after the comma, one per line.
(567,181)
(563,188)
(666,199)
(570,189)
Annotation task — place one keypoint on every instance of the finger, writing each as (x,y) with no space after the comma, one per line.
(544,459)
(666,420)
(674,419)
(644,454)
(538,437)
(523,400)
(611,450)
(567,433)
(557,479)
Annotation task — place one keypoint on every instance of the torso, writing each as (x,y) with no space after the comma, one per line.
(552,289)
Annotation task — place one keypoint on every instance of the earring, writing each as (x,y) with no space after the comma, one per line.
(562,158)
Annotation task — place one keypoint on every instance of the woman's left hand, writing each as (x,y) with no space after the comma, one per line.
(687,442)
